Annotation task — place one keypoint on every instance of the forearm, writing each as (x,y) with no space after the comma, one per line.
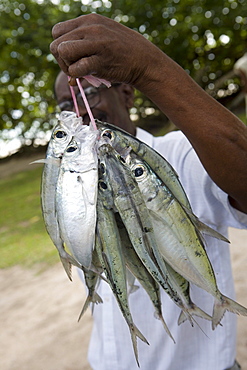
(218,136)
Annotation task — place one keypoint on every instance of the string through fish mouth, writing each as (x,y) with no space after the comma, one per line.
(94,81)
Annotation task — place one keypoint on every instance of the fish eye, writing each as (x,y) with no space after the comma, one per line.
(103,185)
(71,149)
(108,133)
(60,134)
(139,171)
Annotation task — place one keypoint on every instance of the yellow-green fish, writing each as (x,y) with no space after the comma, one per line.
(108,247)
(179,240)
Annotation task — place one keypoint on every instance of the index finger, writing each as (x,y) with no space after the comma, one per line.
(64,27)
(84,20)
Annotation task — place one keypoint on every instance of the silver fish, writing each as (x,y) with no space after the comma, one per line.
(108,247)
(124,142)
(129,203)
(179,241)
(137,268)
(76,195)
(121,140)
(60,137)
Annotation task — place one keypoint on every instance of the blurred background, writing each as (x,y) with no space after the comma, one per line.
(206,37)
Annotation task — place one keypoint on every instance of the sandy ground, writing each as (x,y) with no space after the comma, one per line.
(39,311)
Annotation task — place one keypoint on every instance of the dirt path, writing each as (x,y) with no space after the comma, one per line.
(38,320)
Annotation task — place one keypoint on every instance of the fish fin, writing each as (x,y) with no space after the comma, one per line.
(131,282)
(159,316)
(139,334)
(132,289)
(84,194)
(44,160)
(135,332)
(104,279)
(85,307)
(134,343)
(188,316)
(185,315)
(67,261)
(53,161)
(194,311)
(203,228)
(67,267)
(95,299)
(182,317)
(97,271)
(226,304)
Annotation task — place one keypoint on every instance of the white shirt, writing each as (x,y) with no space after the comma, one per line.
(195,349)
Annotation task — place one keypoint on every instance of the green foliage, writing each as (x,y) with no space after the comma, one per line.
(23,238)
(204,36)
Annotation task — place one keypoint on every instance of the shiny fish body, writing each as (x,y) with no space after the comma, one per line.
(131,207)
(121,140)
(137,268)
(123,143)
(108,247)
(60,138)
(179,284)
(179,241)
(76,195)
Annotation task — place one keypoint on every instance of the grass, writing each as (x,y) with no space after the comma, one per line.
(23,238)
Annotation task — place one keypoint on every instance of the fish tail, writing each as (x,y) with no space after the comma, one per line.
(160,317)
(135,332)
(224,304)
(193,311)
(90,299)
(139,334)
(185,315)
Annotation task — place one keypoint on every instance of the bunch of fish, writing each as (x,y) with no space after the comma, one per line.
(119,208)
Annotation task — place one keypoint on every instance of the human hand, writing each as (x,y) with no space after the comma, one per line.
(93,44)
